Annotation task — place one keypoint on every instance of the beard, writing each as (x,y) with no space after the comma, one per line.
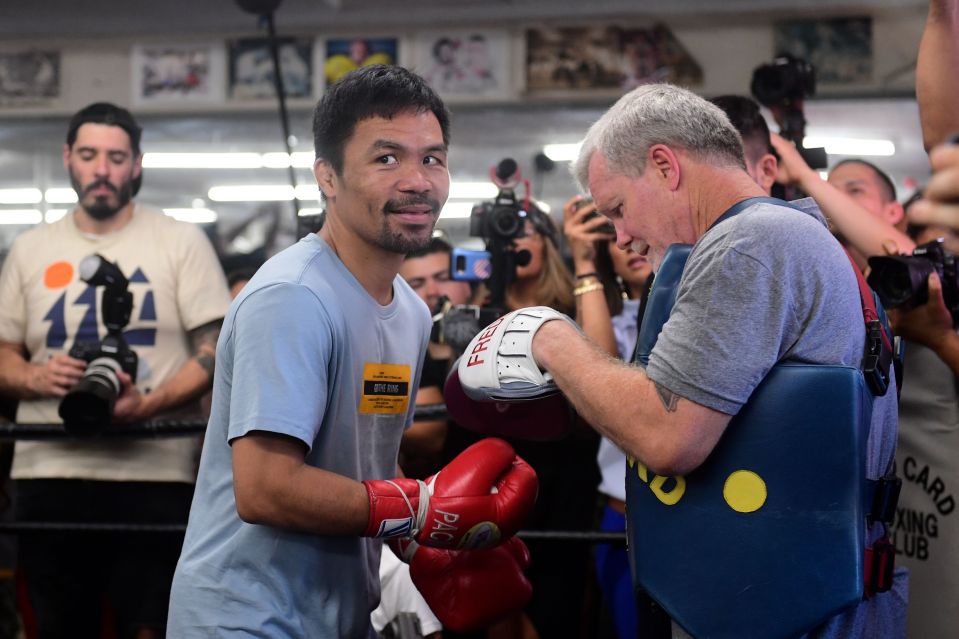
(101,208)
(398,241)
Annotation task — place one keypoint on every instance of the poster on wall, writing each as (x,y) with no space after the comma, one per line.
(342,55)
(251,68)
(181,73)
(607,59)
(465,64)
(29,78)
(840,48)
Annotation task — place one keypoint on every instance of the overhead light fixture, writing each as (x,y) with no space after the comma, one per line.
(20,196)
(21,216)
(61,195)
(52,215)
(308,192)
(299,160)
(850,146)
(202,161)
(562,152)
(195,216)
(309,211)
(472,191)
(231,160)
(251,193)
(455,210)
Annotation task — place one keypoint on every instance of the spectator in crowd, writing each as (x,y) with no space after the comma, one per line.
(427,271)
(179,300)
(859,200)
(566,468)
(611,285)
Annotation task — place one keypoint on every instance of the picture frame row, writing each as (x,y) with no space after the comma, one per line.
(475,65)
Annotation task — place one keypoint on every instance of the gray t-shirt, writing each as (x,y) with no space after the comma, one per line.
(767,285)
(306,352)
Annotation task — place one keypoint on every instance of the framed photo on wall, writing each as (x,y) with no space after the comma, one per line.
(29,78)
(178,73)
(607,59)
(342,55)
(467,64)
(251,68)
(840,49)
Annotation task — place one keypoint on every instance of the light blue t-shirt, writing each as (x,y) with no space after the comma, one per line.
(306,352)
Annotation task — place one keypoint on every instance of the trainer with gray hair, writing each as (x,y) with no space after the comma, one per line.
(764,284)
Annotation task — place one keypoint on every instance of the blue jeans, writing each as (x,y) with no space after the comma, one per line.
(615,581)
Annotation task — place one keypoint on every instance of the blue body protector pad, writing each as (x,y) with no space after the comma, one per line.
(766,537)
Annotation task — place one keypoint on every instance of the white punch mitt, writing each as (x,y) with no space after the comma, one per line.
(498,364)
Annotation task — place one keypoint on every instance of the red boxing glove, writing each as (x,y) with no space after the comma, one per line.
(478,500)
(468,590)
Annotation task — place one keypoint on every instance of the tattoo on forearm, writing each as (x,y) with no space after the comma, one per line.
(668,397)
(207,362)
(204,339)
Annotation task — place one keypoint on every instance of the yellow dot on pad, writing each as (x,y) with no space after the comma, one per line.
(745,491)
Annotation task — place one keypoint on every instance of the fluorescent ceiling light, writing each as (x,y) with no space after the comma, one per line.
(562,152)
(308,192)
(299,159)
(234,160)
(473,190)
(196,216)
(850,146)
(20,196)
(63,195)
(202,161)
(251,193)
(21,216)
(305,212)
(52,215)
(456,210)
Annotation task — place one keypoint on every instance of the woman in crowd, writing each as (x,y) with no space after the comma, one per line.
(611,288)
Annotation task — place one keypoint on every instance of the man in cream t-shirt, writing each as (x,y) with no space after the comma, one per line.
(179,300)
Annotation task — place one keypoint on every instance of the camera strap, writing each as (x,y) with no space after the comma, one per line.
(878,353)
(881,495)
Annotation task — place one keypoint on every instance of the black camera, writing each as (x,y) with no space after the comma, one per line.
(786,79)
(781,87)
(901,281)
(500,223)
(607,227)
(503,219)
(88,407)
(457,324)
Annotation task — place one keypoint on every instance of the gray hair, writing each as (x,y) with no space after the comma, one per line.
(659,114)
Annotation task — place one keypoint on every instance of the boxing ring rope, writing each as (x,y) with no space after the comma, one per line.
(195,427)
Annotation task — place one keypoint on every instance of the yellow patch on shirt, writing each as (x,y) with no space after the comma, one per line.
(386,389)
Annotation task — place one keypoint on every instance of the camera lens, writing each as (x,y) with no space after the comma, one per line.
(900,281)
(506,222)
(88,407)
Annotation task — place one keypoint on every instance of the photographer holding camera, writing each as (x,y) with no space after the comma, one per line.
(919,288)
(51,301)
(528,270)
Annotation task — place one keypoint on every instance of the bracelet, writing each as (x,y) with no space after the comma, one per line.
(581,276)
(587,288)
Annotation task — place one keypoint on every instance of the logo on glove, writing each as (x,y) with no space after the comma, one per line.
(482,535)
(481,343)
